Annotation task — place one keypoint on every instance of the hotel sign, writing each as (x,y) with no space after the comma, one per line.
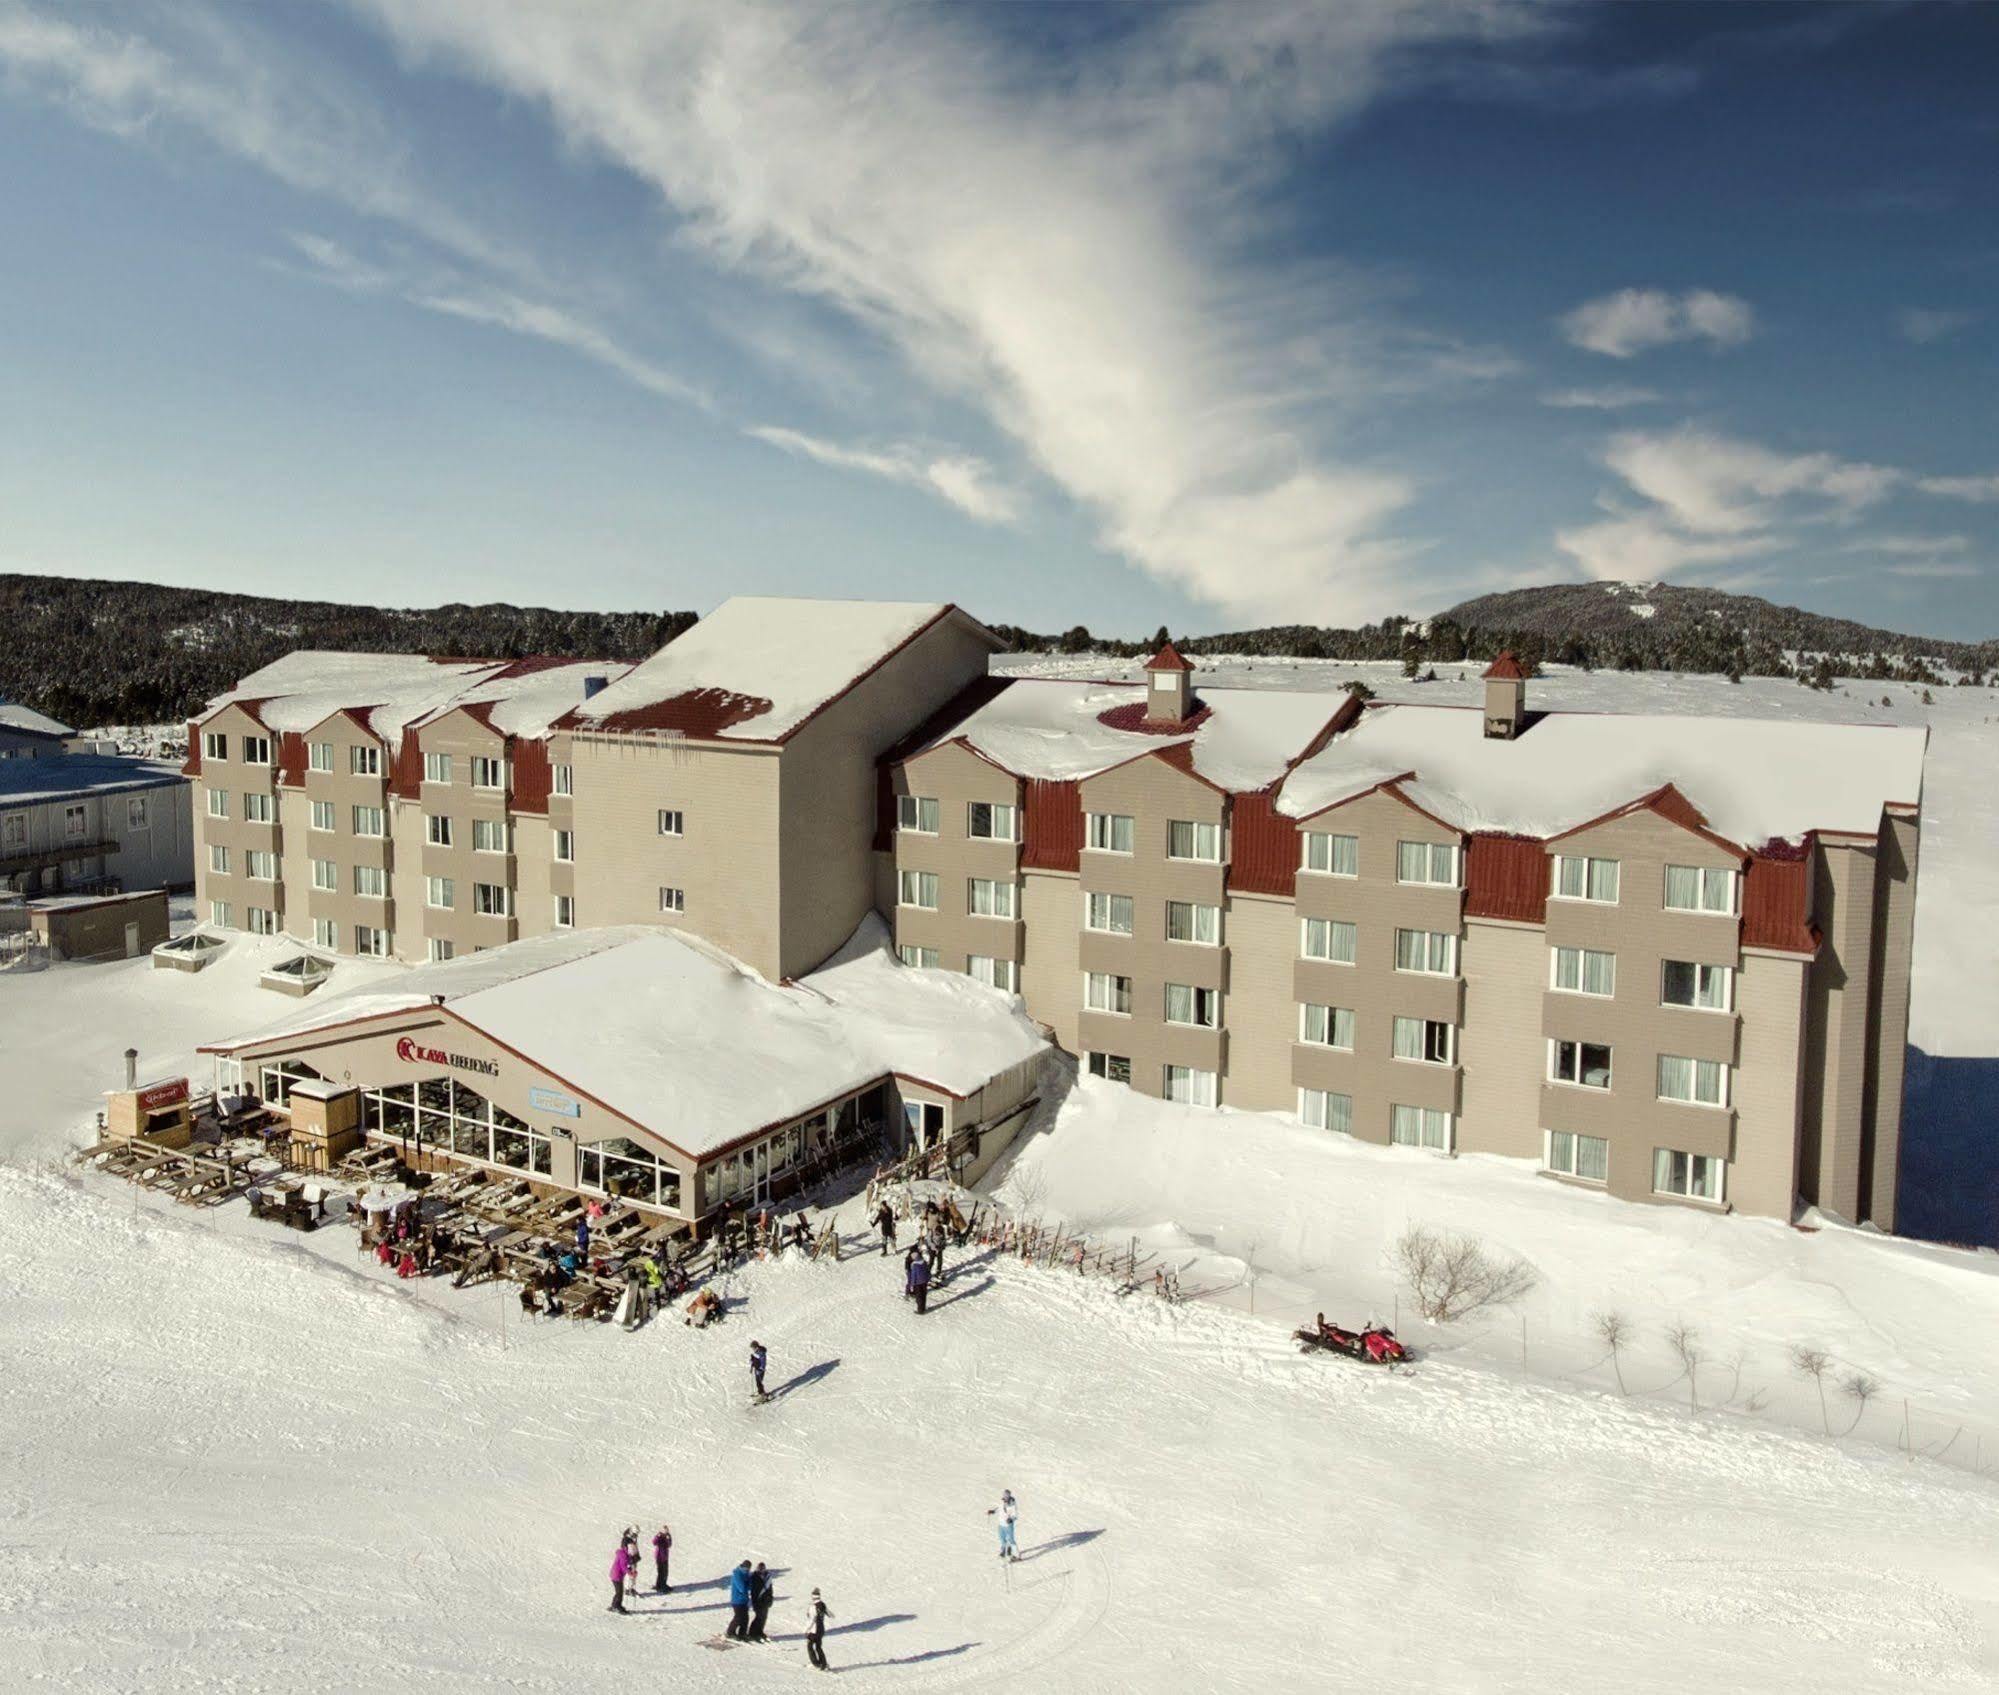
(413,1053)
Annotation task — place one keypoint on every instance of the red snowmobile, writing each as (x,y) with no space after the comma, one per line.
(1373,1343)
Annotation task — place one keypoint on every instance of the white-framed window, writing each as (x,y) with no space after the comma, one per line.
(1585,1064)
(1187,839)
(1710,988)
(1106,991)
(371,881)
(562,779)
(326,875)
(371,942)
(918,889)
(672,822)
(257,808)
(214,745)
(1331,855)
(1111,914)
(322,816)
(1580,878)
(14,830)
(1585,1157)
(1696,1177)
(364,759)
(319,756)
(440,892)
(565,912)
(263,921)
(1583,971)
(218,859)
(437,767)
(671,899)
(1432,952)
(1330,939)
(565,847)
(1191,921)
(492,900)
(441,949)
(488,773)
(917,814)
(135,813)
(1693,888)
(218,914)
(922,959)
(1326,1026)
(1111,1067)
(437,828)
(218,803)
(1699,1082)
(991,821)
(262,864)
(75,821)
(1429,1040)
(492,835)
(1435,863)
(1326,1109)
(256,750)
(325,934)
(1420,1127)
(994,973)
(1110,832)
(368,821)
(1188,1003)
(989,897)
(1190,1087)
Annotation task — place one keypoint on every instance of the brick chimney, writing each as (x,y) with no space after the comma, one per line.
(1505,698)
(1169,688)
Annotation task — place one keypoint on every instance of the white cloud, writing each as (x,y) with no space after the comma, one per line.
(1940,569)
(967,483)
(1633,320)
(1074,257)
(1925,324)
(1978,490)
(1909,547)
(1612,397)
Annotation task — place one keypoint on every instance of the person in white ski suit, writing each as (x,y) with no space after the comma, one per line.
(1006,1512)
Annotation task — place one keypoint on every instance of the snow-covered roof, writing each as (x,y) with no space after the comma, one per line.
(1754,779)
(1054,730)
(14,716)
(688,1044)
(756,668)
(68,775)
(395,690)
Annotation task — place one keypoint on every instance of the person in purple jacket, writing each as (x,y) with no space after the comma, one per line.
(621,1565)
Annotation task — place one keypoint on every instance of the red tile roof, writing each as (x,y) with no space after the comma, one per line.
(191,766)
(534,775)
(291,760)
(1263,846)
(406,773)
(1167,659)
(1669,804)
(1506,669)
(1506,877)
(1776,903)
(699,713)
(1053,838)
(1132,716)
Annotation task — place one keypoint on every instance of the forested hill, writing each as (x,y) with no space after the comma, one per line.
(90,652)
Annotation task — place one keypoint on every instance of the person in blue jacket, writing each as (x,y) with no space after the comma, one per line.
(758,1359)
(583,1237)
(739,1603)
(919,1282)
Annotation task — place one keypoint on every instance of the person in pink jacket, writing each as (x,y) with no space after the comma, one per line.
(621,1565)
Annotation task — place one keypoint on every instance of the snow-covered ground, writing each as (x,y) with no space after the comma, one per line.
(245,1459)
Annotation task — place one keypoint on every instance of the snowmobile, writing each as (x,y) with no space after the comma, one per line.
(1373,1343)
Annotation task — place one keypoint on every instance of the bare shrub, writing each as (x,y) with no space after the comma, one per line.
(1613,1331)
(1814,1363)
(1685,1341)
(1858,1388)
(1453,1275)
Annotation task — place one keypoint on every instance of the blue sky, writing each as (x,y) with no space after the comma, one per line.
(1212,314)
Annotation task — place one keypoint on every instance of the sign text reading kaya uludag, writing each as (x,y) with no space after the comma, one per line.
(412,1054)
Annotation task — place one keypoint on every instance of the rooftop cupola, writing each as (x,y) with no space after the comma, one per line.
(1169,688)
(1505,698)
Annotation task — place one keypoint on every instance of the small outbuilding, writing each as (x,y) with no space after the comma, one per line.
(118,926)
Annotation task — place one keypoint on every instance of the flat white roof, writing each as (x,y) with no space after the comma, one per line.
(1754,779)
(795,654)
(68,776)
(687,1043)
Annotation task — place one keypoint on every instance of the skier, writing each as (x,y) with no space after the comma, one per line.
(1006,1512)
(884,1221)
(757,1360)
(763,1590)
(919,1282)
(815,1631)
(620,1566)
(662,1557)
(936,1250)
(739,1602)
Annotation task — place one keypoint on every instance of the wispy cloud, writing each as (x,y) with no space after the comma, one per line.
(1613,397)
(1980,491)
(1926,324)
(1947,570)
(1909,547)
(1633,320)
(967,483)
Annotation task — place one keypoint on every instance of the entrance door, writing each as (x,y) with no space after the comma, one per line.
(131,941)
(760,1173)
